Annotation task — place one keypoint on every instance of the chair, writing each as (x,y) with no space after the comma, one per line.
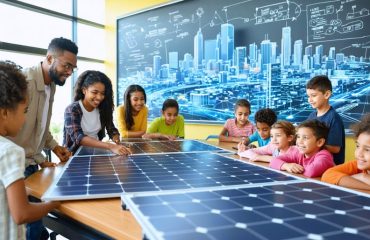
(211,136)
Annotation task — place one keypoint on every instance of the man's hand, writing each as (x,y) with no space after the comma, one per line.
(62,153)
(47,164)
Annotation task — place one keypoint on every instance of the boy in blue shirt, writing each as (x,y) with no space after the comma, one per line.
(319,90)
(264,119)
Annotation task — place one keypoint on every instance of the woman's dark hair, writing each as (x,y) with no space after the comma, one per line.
(362,126)
(128,107)
(13,85)
(242,103)
(168,103)
(106,107)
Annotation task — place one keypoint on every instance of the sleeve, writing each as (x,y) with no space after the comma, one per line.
(181,130)
(121,121)
(253,137)
(278,161)
(12,163)
(144,120)
(154,126)
(72,123)
(50,143)
(334,174)
(252,153)
(112,130)
(319,164)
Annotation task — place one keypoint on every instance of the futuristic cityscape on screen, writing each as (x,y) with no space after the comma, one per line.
(215,72)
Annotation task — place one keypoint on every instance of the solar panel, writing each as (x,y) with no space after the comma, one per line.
(304,210)
(157,147)
(108,176)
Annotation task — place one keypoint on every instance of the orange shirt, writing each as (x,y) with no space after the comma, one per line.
(334,174)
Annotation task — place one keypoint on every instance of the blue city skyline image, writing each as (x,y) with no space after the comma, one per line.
(207,60)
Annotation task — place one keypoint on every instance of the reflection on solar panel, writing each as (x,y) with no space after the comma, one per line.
(144,147)
(305,210)
(108,176)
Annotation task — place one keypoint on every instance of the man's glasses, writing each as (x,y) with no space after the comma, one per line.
(67,66)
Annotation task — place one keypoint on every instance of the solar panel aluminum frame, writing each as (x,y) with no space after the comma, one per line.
(47,196)
(217,149)
(151,233)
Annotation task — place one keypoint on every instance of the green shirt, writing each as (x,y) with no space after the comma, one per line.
(159,125)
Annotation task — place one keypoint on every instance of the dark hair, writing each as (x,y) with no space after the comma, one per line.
(320,82)
(13,85)
(319,129)
(287,127)
(106,107)
(128,108)
(362,126)
(242,103)
(59,45)
(265,115)
(168,103)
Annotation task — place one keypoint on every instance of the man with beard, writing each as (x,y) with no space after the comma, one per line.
(60,61)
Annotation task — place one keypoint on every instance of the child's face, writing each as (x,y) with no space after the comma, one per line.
(280,139)
(170,115)
(242,115)
(137,101)
(362,152)
(94,95)
(263,130)
(16,118)
(317,99)
(307,143)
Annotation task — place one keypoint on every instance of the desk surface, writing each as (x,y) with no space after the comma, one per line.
(104,215)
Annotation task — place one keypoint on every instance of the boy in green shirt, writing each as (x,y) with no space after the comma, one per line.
(170,125)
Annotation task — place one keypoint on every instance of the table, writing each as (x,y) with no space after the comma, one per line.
(94,219)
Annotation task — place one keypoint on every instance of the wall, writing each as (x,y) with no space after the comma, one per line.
(117,8)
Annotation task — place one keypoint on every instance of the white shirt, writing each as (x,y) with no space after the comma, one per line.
(12,164)
(90,122)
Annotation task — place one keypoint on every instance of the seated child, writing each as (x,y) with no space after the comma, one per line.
(170,125)
(311,160)
(282,139)
(132,115)
(264,119)
(356,173)
(87,118)
(15,208)
(239,127)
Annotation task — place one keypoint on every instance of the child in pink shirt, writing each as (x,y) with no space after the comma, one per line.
(311,160)
(282,138)
(237,128)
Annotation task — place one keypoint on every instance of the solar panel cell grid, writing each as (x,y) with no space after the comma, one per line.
(107,176)
(284,211)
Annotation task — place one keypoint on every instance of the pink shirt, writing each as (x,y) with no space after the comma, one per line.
(270,150)
(235,131)
(314,166)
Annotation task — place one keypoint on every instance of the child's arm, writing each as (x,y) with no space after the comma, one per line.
(261,154)
(286,159)
(224,138)
(347,175)
(357,181)
(115,148)
(332,149)
(322,161)
(23,211)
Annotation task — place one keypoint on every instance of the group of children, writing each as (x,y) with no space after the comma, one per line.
(313,148)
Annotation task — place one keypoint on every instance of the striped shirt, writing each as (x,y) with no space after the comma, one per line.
(234,131)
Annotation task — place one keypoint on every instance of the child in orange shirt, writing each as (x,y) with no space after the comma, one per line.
(354,174)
